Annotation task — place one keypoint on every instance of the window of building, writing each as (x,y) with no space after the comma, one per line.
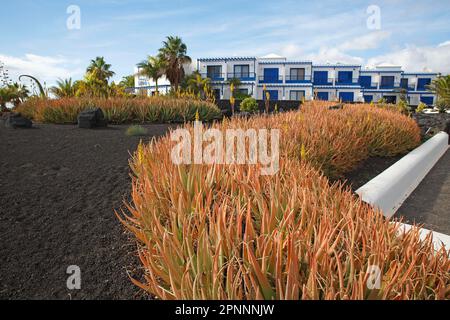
(217,94)
(297,74)
(297,95)
(243,91)
(214,72)
(423,83)
(242,71)
(404,83)
(390,99)
(387,81)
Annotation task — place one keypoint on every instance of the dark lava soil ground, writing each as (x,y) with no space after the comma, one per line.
(368,170)
(59,186)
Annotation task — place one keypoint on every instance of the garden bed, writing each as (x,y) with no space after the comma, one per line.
(228,232)
(58,190)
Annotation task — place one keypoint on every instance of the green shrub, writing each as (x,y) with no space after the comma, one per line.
(241,96)
(441,106)
(136,130)
(421,107)
(249,105)
(402,107)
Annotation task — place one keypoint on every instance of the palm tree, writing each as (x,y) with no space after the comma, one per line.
(174,52)
(100,70)
(5,97)
(127,81)
(90,86)
(441,87)
(19,93)
(14,93)
(153,68)
(64,88)
(198,84)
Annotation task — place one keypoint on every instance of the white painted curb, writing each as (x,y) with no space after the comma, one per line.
(391,188)
(439,240)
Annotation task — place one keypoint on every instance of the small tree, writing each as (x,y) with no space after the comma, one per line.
(249,105)
(441,88)
(199,85)
(153,68)
(402,106)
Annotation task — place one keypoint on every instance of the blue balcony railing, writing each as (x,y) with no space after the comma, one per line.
(390,85)
(323,82)
(372,85)
(347,82)
(270,79)
(409,87)
(243,76)
(298,79)
(214,76)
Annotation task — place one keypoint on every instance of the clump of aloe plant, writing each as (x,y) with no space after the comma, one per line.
(227,232)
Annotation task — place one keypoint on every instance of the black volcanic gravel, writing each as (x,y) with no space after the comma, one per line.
(59,186)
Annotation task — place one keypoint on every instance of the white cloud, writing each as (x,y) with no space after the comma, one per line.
(446,43)
(414,58)
(292,51)
(334,55)
(411,58)
(45,68)
(368,41)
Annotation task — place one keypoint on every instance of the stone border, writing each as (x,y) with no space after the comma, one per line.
(391,188)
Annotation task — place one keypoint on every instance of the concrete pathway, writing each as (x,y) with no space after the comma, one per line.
(429,204)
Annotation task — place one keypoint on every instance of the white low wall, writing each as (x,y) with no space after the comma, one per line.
(439,240)
(391,188)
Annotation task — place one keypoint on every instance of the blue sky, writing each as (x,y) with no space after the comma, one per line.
(36,40)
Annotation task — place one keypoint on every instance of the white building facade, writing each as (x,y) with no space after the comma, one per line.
(302,80)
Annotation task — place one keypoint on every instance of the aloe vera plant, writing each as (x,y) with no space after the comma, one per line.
(228,232)
(120,110)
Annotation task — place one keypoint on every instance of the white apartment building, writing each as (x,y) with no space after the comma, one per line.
(303,80)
